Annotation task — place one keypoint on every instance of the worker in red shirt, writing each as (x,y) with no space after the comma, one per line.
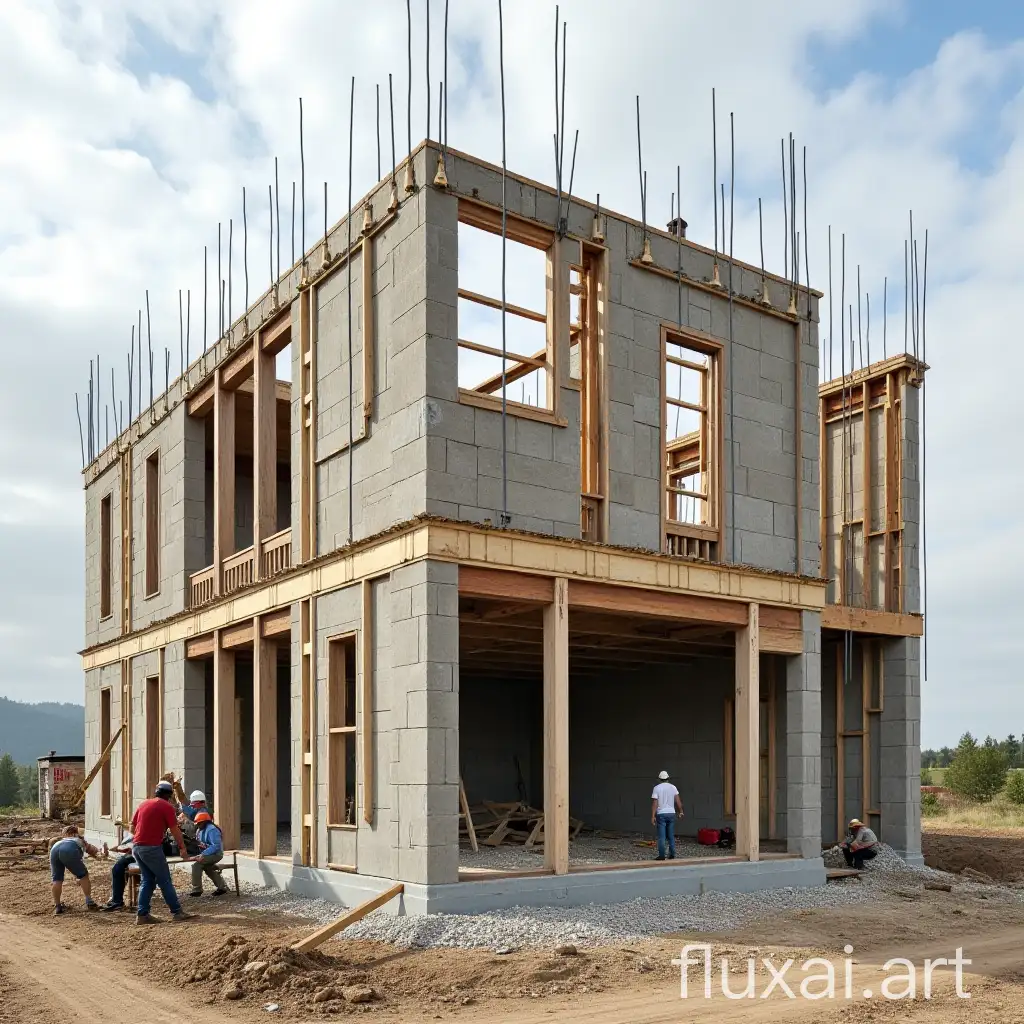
(152,819)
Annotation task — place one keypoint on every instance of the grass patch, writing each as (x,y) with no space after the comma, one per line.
(1000,812)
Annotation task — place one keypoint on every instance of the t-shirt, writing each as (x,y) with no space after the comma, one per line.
(152,819)
(68,844)
(665,793)
(865,837)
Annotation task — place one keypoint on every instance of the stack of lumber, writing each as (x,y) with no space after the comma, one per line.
(494,823)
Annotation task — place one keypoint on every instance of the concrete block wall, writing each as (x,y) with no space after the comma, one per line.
(95,681)
(900,743)
(99,630)
(803,753)
(911,497)
(185,718)
(414,832)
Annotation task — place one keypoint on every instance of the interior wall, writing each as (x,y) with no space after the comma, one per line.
(501,720)
(626,727)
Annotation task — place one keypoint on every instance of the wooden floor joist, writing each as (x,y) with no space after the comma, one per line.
(349,917)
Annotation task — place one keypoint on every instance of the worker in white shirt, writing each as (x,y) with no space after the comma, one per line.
(665,806)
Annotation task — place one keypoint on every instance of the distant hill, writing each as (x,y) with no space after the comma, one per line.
(28,731)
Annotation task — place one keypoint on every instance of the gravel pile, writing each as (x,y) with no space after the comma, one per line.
(599,924)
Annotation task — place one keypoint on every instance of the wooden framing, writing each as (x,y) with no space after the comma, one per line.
(369,340)
(342,671)
(729,757)
(634,601)
(127,722)
(264,449)
(556,730)
(868,620)
(307,425)
(225,746)
(223,479)
(748,698)
(151,517)
(127,542)
(264,746)
(507,586)
(349,917)
(699,452)
(309,730)
(771,746)
(367,711)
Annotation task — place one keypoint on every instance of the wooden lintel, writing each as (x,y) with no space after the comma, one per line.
(504,584)
(276,623)
(200,402)
(868,620)
(237,369)
(238,635)
(779,640)
(276,335)
(634,601)
(200,646)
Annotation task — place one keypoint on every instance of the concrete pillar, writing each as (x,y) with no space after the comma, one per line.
(425,679)
(900,776)
(803,743)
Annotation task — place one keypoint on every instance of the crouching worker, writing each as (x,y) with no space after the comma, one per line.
(861,844)
(66,854)
(119,873)
(211,845)
(152,818)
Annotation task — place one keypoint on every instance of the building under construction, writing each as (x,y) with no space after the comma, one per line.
(416,597)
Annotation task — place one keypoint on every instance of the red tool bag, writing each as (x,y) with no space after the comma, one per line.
(707,836)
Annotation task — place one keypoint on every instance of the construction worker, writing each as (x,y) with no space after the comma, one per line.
(119,873)
(67,853)
(860,845)
(152,818)
(187,819)
(665,805)
(211,844)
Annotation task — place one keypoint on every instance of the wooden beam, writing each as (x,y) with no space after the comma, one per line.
(225,748)
(368,326)
(264,450)
(264,747)
(776,640)
(200,402)
(634,601)
(367,711)
(223,480)
(556,730)
(488,218)
(276,335)
(508,586)
(748,750)
(238,635)
(349,917)
(96,768)
(200,646)
(237,369)
(868,620)
(277,623)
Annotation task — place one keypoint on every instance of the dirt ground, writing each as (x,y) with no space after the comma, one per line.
(92,967)
(998,853)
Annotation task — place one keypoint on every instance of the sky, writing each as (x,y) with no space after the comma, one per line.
(129,127)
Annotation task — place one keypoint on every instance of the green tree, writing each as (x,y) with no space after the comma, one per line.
(29,774)
(977,772)
(1015,787)
(10,783)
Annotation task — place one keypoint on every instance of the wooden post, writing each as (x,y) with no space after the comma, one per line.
(368,327)
(748,696)
(264,450)
(264,743)
(223,479)
(225,746)
(308,745)
(556,730)
(307,425)
(366,712)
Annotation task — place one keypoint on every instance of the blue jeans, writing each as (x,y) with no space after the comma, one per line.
(119,876)
(666,832)
(155,872)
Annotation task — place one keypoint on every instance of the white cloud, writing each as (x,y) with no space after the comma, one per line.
(111,182)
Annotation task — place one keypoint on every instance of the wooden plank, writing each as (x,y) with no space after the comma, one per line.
(200,646)
(774,617)
(225,748)
(556,729)
(869,620)
(238,635)
(468,817)
(634,601)
(748,697)
(369,377)
(200,402)
(488,218)
(236,369)
(349,917)
(101,761)
(506,585)
(277,623)
(264,449)
(223,481)
(367,712)
(776,640)
(264,746)
(277,335)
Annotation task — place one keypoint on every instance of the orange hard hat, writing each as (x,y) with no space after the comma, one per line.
(202,817)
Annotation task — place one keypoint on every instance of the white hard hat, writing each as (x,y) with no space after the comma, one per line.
(663,776)
(197,796)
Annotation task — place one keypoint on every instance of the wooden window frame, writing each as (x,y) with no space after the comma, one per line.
(154,730)
(536,236)
(106,556)
(151,518)
(337,735)
(106,724)
(710,441)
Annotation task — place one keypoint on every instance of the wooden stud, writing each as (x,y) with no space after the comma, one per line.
(264,451)
(264,747)
(824,477)
(866,510)
(226,752)
(349,917)
(307,732)
(799,437)
(748,696)
(152,725)
(126,743)
(367,712)
(465,814)
(368,327)
(556,729)
(127,542)
(223,480)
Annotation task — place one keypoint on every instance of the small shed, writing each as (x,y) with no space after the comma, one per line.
(60,775)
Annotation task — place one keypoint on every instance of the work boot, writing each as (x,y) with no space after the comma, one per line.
(111,905)
(219,892)
(182,916)
(92,905)
(145,919)
(196,895)
(59,909)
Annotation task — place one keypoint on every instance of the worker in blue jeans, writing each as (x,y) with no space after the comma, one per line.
(665,805)
(152,818)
